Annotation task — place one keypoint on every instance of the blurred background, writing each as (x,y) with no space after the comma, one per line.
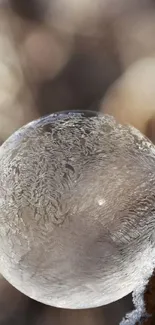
(75,54)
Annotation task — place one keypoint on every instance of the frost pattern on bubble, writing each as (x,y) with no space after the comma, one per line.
(139,312)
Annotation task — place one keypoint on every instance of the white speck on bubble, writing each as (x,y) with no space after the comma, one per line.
(101,201)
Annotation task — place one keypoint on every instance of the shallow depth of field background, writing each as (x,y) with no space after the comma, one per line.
(66,55)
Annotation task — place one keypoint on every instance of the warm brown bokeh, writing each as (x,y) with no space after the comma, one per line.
(131,100)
